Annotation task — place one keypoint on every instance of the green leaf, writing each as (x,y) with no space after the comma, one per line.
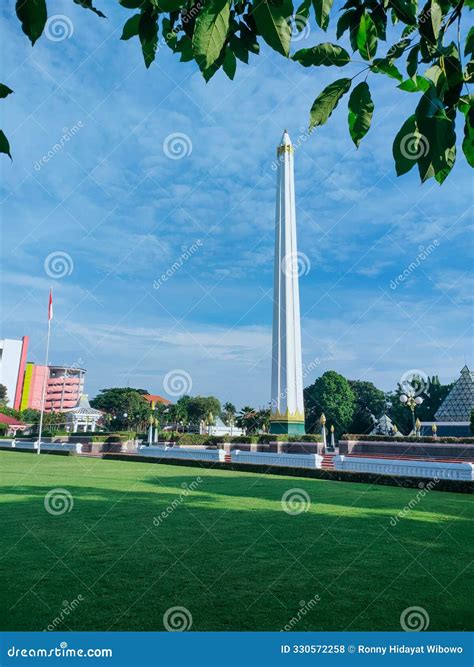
(272,23)
(437,140)
(361,109)
(346,21)
(321,10)
(426,27)
(327,101)
(87,4)
(169,34)
(367,37)
(184,46)
(4,145)
(230,64)
(469,46)
(210,32)
(167,5)
(412,60)
(302,13)
(405,10)
(405,146)
(210,71)
(468,141)
(33,15)
(249,39)
(323,54)
(397,49)
(386,66)
(5,90)
(379,17)
(416,84)
(130,28)
(238,47)
(436,16)
(132,4)
(148,34)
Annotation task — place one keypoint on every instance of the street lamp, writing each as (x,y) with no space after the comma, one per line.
(411,402)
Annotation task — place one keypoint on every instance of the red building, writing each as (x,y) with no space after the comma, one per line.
(64,387)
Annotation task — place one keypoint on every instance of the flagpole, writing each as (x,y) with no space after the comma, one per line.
(43,390)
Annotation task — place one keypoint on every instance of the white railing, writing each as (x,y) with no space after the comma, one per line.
(274,459)
(181,453)
(432,469)
(45,446)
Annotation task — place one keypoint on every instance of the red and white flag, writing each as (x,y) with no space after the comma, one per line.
(50,305)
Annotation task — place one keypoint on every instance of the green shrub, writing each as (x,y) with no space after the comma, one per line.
(192,439)
(245,439)
(265,438)
(407,438)
(307,437)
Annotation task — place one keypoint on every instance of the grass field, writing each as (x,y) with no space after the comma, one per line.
(226,550)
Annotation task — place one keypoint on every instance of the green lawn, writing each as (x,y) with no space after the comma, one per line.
(227,551)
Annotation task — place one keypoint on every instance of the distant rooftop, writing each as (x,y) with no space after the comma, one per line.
(156,398)
(458,404)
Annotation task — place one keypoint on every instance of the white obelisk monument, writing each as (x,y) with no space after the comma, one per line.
(287,408)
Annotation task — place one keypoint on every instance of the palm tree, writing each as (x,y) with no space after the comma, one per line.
(228,415)
(247,419)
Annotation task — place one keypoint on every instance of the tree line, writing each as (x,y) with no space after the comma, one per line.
(352,406)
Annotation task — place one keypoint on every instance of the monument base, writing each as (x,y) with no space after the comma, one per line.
(286,428)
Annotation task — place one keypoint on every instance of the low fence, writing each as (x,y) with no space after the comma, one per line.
(273,459)
(431,469)
(156,451)
(45,446)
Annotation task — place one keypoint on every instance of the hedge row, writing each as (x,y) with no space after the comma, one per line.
(195,439)
(407,438)
(450,485)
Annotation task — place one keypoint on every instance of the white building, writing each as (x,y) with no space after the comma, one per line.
(12,368)
(83,418)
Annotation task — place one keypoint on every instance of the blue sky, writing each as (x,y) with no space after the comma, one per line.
(124,212)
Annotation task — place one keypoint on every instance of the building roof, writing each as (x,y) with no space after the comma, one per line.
(84,408)
(156,398)
(10,421)
(458,404)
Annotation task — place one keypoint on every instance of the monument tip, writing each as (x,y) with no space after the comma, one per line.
(285,140)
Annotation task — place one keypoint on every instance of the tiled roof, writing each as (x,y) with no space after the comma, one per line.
(156,398)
